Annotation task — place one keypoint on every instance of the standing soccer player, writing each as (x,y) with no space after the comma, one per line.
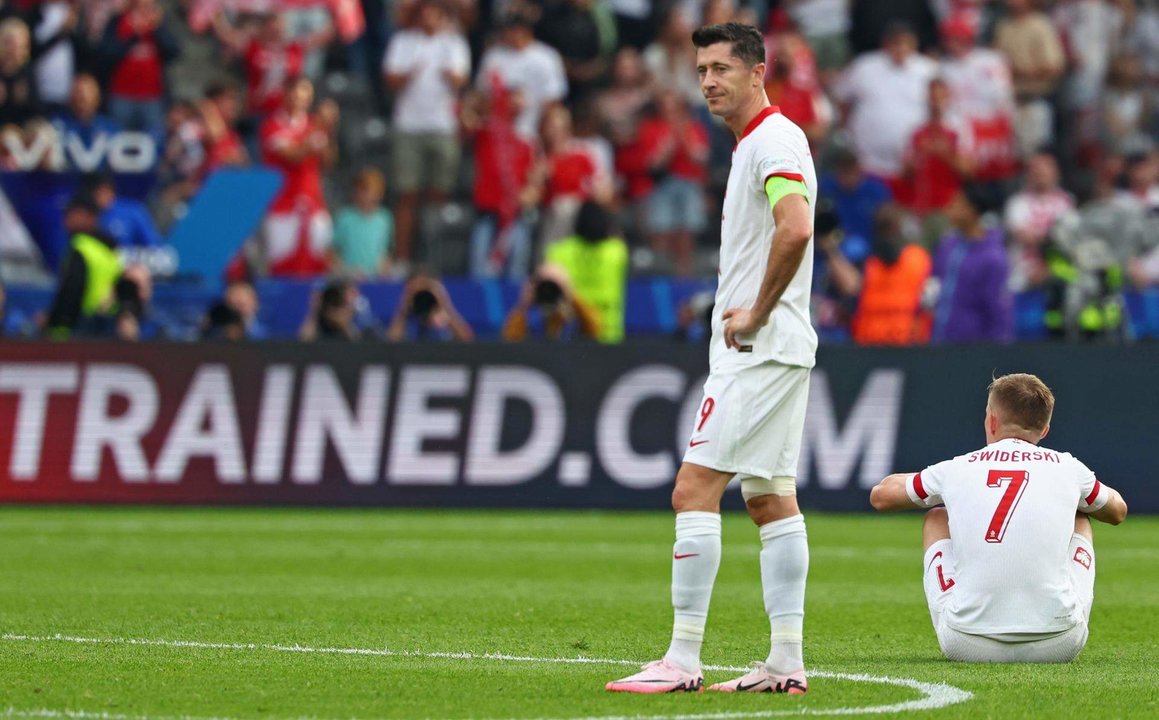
(750,421)
(1010,560)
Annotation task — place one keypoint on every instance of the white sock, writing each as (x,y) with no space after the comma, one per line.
(784,565)
(695,560)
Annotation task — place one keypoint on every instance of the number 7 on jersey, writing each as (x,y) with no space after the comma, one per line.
(1009,501)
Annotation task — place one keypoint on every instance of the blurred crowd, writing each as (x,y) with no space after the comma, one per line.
(968,151)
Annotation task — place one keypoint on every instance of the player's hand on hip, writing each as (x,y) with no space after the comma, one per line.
(740,322)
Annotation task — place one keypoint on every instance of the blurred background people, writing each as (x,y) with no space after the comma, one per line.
(426,313)
(548,309)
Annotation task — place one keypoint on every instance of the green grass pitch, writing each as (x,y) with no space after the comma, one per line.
(538,585)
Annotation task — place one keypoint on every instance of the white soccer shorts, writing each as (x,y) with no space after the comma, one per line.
(939,582)
(750,423)
(283,234)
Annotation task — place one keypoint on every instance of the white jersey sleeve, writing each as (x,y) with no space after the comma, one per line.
(925,488)
(777,159)
(1092,496)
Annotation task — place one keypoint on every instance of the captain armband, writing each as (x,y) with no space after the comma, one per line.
(778,186)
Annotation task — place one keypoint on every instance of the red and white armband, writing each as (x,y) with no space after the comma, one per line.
(1096,500)
(918,493)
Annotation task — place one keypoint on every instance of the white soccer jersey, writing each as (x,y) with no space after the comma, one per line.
(770,146)
(1012,507)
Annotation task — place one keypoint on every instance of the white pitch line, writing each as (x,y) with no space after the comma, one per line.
(89,715)
(934,695)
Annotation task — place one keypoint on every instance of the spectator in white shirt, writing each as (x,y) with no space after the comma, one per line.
(526,66)
(56,59)
(981,95)
(425,68)
(825,24)
(671,59)
(1030,215)
(883,97)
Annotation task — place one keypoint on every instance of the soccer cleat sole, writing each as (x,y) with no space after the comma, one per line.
(644,688)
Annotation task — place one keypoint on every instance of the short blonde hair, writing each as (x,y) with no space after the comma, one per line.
(1022,399)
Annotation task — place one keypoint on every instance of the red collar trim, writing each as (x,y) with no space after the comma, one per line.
(771,110)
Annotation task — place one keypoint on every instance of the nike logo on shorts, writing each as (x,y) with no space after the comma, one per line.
(694,443)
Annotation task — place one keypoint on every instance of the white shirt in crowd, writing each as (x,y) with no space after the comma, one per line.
(980,84)
(427,102)
(771,146)
(678,73)
(821,18)
(1033,214)
(888,103)
(56,65)
(1012,508)
(1091,30)
(536,72)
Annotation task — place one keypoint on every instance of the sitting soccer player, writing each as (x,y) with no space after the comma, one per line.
(1009,565)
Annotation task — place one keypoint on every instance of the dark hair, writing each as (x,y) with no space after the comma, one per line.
(92,182)
(594,222)
(747,44)
(218,89)
(896,28)
(844,159)
(981,198)
(83,201)
(333,295)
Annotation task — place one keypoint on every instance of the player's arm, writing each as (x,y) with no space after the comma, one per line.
(1105,504)
(891,494)
(794,228)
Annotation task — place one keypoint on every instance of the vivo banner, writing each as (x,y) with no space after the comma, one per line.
(495,425)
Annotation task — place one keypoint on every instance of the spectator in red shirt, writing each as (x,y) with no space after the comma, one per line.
(796,100)
(270,57)
(676,148)
(219,114)
(507,185)
(570,175)
(298,230)
(138,46)
(937,160)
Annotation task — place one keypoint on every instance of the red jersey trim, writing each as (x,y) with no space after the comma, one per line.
(788,176)
(1094,493)
(760,118)
(919,490)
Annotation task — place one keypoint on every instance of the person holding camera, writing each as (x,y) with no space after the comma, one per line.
(549,309)
(333,313)
(425,312)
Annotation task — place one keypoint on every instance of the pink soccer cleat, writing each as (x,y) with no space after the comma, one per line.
(659,676)
(761,680)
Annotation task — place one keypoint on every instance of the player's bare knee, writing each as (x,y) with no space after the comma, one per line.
(764,509)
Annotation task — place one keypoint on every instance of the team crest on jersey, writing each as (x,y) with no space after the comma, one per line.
(778,166)
(1082,557)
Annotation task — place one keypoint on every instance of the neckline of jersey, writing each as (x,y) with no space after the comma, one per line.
(770,110)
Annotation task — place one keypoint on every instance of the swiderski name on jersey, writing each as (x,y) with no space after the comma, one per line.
(1014,456)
